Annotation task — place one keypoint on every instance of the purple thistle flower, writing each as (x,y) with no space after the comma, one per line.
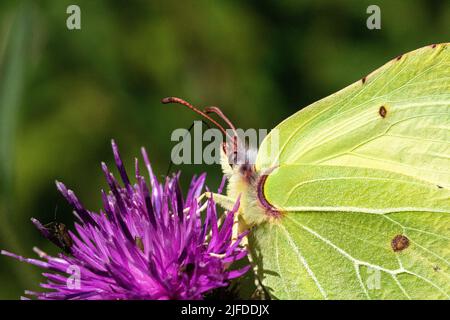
(143,244)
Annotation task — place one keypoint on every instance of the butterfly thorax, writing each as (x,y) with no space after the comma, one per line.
(247,184)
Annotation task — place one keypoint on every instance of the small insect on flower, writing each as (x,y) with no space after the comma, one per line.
(59,235)
(148,242)
(56,232)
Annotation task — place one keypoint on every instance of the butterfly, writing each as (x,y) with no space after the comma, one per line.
(349,198)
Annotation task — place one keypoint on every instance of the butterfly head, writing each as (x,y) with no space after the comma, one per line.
(238,164)
(236,152)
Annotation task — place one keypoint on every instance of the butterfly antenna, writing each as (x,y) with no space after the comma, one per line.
(222,116)
(187,104)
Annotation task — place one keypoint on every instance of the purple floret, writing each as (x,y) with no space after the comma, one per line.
(148,242)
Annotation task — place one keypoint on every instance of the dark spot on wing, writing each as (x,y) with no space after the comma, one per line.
(363,80)
(433,46)
(436,268)
(382,112)
(440,187)
(399,243)
(399,57)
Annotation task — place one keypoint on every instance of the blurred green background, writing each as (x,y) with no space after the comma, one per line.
(64,94)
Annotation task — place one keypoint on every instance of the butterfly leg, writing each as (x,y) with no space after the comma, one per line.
(225,202)
(228,203)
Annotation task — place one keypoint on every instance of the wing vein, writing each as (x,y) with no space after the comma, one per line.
(304,262)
